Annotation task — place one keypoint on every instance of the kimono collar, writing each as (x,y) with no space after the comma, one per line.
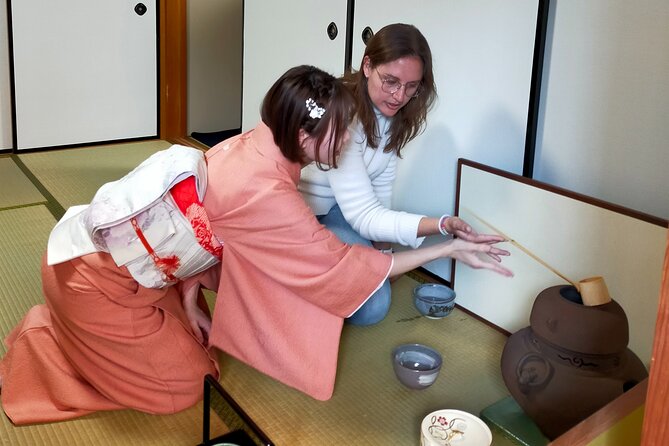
(263,140)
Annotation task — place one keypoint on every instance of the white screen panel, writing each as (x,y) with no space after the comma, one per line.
(574,237)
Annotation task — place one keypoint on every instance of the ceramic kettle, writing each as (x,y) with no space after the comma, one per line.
(571,361)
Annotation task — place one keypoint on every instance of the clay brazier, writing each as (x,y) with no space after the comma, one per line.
(571,361)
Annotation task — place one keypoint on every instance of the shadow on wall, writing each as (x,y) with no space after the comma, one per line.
(210,139)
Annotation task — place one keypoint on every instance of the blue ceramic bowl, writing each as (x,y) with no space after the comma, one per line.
(416,366)
(434,300)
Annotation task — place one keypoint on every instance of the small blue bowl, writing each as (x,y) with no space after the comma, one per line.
(416,366)
(434,300)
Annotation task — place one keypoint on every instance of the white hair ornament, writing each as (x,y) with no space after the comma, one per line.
(315,112)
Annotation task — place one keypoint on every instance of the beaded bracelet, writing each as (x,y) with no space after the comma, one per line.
(442,230)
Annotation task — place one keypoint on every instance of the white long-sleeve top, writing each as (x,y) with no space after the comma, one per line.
(362,185)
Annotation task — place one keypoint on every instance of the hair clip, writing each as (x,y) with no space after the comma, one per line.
(315,112)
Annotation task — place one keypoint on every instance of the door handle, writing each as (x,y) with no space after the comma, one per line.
(332,31)
(140,9)
(367,34)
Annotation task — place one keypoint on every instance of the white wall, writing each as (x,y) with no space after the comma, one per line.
(603,123)
(279,35)
(5,92)
(604,126)
(214,65)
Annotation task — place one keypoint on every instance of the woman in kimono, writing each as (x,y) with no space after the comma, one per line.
(113,332)
(287,283)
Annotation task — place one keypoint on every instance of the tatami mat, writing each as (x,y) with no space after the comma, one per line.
(73,176)
(22,242)
(369,406)
(15,188)
(117,428)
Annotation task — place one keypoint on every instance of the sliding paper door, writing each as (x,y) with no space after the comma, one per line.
(85,71)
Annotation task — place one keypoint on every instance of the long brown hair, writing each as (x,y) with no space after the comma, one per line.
(390,43)
(285,111)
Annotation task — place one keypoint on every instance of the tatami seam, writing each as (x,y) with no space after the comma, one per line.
(56,209)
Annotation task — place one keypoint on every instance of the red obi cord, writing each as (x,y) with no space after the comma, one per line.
(185,196)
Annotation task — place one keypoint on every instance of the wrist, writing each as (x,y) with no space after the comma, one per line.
(442,225)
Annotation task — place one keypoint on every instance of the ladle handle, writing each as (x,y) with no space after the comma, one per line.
(525,250)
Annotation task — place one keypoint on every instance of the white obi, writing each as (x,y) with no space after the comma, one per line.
(141,198)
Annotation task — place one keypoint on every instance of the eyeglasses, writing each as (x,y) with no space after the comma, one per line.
(391,85)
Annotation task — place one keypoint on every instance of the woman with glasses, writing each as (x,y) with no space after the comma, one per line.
(394,89)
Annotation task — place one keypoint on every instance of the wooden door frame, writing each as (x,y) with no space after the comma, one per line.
(655,429)
(173,127)
(173,61)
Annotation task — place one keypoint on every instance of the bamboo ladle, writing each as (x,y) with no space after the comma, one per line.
(593,290)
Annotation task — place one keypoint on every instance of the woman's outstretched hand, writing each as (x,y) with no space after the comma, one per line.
(462,230)
(471,253)
(468,252)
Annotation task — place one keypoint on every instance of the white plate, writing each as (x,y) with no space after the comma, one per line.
(449,427)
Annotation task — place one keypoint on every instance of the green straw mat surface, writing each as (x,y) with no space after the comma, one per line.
(116,428)
(370,406)
(22,242)
(73,176)
(15,188)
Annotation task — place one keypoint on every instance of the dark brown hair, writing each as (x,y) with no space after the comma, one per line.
(285,111)
(390,43)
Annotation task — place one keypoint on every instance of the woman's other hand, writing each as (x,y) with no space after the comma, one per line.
(462,230)
(199,321)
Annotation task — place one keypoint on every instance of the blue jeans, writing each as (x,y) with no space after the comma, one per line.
(377,306)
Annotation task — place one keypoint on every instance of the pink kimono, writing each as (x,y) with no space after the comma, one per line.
(287,283)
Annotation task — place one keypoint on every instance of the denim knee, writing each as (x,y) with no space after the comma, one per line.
(334,220)
(375,309)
